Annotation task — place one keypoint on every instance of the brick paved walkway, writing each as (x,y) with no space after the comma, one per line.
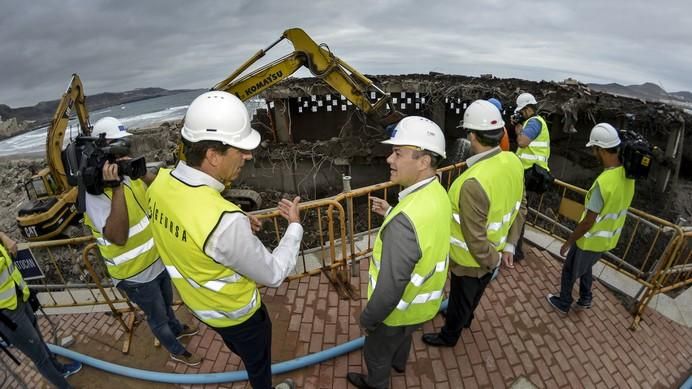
(515,334)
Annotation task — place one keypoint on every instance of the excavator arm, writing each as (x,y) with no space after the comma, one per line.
(323,64)
(72,100)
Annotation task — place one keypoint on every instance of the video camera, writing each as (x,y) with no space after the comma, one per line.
(84,159)
(635,153)
(517,117)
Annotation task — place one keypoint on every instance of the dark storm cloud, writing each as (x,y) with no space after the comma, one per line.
(119,45)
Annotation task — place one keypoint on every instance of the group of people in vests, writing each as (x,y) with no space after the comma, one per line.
(175,228)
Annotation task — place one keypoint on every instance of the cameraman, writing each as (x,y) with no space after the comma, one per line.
(118,221)
(533,141)
(18,323)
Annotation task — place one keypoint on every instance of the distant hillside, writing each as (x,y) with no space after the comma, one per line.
(683,95)
(647,91)
(42,112)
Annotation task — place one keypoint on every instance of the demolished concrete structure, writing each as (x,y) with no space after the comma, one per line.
(309,124)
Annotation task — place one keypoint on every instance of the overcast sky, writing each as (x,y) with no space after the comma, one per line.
(121,45)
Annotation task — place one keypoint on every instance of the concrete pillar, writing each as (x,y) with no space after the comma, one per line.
(438,113)
(668,175)
(282,119)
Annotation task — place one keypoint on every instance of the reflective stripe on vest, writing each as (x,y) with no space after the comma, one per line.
(501,177)
(538,151)
(214,293)
(139,251)
(215,285)
(134,230)
(9,277)
(617,191)
(423,294)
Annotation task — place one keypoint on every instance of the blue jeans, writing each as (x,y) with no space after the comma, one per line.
(578,264)
(28,339)
(155,298)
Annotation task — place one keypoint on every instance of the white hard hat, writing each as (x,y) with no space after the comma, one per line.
(523,100)
(482,115)
(421,132)
(110,126)
(222,117)
(604,136)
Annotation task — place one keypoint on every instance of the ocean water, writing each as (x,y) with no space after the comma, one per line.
(138,114)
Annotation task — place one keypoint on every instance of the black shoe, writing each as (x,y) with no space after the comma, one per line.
(580,305)
(399,370)
(358,380)
(437,341)
(553,301)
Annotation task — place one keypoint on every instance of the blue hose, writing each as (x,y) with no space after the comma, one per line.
(687,384)
(212,378)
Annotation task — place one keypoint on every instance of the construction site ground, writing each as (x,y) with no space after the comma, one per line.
(515,337)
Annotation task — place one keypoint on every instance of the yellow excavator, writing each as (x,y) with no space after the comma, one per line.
(323,64)
(50,207)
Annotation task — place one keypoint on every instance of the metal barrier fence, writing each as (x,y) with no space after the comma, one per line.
(340,231)
(60,290)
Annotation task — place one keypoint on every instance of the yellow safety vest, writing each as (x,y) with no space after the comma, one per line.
(139,252)
(426,208)
(502,179)
(9,277)
(538,151)
(182,219)
(617,191)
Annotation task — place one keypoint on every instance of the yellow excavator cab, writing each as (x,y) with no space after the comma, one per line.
(50,205)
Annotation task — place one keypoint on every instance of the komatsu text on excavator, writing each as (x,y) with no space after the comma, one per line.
(50,207)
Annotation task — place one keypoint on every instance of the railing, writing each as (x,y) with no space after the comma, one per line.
(93,288)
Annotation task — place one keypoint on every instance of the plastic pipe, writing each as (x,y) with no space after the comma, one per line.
(212,378)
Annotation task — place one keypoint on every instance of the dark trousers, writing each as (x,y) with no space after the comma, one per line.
(28,339)
(384,348)
(519,248)
(155,298)
(252,342)
(578,264)
(464,295)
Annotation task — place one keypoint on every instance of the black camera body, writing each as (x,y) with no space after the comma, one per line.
(518,117)
(84,159)
(636,154)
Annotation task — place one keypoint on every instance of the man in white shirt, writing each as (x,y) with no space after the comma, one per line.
(207,243)
(117,218)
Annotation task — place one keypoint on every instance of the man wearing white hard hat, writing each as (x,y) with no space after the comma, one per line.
(487,218)
(604,215)
(208,244)
(409,262)
(533,146)
(118,220)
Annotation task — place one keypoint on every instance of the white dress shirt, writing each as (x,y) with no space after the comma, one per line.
(234,245)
